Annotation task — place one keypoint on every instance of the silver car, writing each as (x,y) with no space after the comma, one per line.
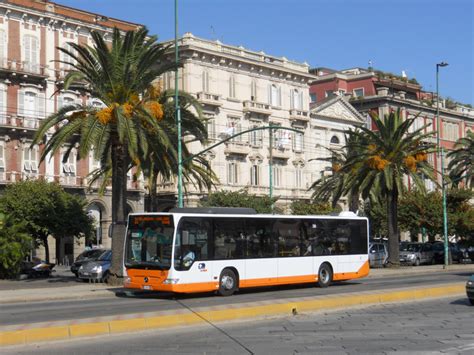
(416,254)
(96,270)
(378,254)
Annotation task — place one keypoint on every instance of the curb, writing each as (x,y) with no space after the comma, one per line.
(39,332)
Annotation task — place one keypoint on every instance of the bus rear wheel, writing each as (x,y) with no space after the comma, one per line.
(227,283)
(324,275)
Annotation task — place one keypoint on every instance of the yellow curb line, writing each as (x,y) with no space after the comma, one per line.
(73,331)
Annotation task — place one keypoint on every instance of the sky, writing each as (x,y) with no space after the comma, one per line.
(394,35)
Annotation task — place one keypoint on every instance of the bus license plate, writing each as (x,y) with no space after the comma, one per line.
(147,287)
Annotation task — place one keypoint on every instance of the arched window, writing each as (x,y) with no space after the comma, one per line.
(334,140)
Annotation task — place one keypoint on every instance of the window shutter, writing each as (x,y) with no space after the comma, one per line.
(41,105)
(269,94)
(2,48)
(279,96)
(301,100)
(26,49)
(21,103)
(60,101)
(292,99)
(34,51)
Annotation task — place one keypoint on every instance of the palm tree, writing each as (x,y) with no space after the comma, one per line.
(461,165)
(385,156)
(121,75)
(333,187)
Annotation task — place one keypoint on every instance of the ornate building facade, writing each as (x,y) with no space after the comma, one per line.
(242,89)
(30,32)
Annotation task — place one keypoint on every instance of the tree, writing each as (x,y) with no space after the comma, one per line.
(46,209)
(461,165)
(385,156)
(121,75)
(305,208)
(15,245)
(333,187)
(241,198)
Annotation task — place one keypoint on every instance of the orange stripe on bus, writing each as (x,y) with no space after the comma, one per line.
(363,271)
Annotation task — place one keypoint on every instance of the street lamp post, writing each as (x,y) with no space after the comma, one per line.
(441,157)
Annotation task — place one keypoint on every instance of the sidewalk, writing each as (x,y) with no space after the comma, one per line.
(63,286)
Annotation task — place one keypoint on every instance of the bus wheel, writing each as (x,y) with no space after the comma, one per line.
(227,283)
(324,275)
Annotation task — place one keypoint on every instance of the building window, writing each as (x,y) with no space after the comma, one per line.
(329,93)
(64,101)
(3,50)
(205,81)
(277,171)
(66,58)
(358,92)
(31,104)
(296,99)
(256,138)
(30,160)
(3,105)
(232,87)
(313,97)
(253,90)
(31,53)
(2,162)
(298,142)
(232,173)
(211,127)
(69,166)
(274,95)
(334,140)
(255,175)
(450,131)
(299,176)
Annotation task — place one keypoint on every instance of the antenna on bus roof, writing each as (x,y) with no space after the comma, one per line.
(215,210)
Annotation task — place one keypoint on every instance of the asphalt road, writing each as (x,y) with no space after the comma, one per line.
(33,312)
(434,326)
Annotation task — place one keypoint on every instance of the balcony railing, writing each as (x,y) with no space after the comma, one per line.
(207,98)
(233,148)
(257,107)
(300,115)
(30,68)
(19,122)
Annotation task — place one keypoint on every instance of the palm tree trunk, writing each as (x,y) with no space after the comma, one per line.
(153,188)
(392,223)
(119,207)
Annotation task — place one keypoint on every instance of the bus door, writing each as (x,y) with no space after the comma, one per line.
(294,252)
(260,248)
(192,250)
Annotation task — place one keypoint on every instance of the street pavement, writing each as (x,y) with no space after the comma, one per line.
(441,326)
(63,284)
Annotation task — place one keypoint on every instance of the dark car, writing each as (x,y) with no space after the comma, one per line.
(454,253)
(97,270)
(470,289)
(87,255)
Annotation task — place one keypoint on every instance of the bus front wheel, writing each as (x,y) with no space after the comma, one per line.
(227,283)
(324,275)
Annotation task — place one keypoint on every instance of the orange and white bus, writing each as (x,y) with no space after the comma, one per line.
(223,250)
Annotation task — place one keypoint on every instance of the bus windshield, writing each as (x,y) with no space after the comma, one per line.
(149,242)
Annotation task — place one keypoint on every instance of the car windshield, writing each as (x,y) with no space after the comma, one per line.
(411,247)
(106,256)
(149,241)
(90,254)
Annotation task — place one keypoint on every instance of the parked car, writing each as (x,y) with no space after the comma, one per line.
(96,270)
(416,254)
(470,289)
(87,255)
(454,253)
(378,254)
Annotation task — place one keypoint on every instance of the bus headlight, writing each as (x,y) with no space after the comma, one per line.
(127,281)
(170,281)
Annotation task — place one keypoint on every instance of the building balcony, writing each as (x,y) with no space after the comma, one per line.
(257,107)
(278,153)
(299,115)
(27,69)
(234,148)
(69,180)
(14,122)
(209,99)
